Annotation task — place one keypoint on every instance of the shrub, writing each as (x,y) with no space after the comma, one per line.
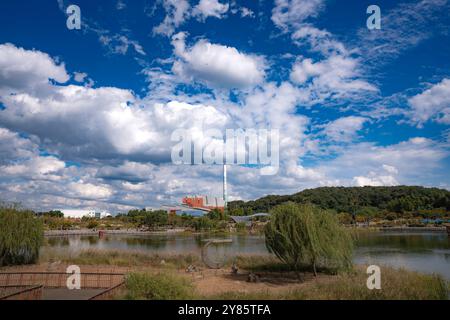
(305,235)
(145,286)
(203,223)
(21,236)
(92,224)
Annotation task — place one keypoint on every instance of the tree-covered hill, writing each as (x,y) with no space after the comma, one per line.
(351,199)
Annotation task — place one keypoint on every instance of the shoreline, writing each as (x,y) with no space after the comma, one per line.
(90,232)
(135,232)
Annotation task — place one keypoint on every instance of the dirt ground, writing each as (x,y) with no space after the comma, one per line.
(208,282)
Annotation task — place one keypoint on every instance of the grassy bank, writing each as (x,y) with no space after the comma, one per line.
(122,258)
(397,284)
(165,278)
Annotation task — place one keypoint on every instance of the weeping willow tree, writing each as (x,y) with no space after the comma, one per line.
(21,235)
(307,236)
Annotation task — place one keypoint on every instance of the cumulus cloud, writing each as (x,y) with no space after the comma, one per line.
(418,158)
(177,12)
(12,146)
(292,13)
(336,76)
(210,8)
(30,70)
(344,129)
(34,168)
(432,104)
(217,65)
(319,40)
(374,180)
(108,149)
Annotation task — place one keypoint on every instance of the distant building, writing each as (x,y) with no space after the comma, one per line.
(79,213)
(204,202)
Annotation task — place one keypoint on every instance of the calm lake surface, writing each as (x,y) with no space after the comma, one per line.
(424,252)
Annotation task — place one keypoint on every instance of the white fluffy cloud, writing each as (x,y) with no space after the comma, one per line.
(374,180)
(292,13)
(338,75)
(418,159)
(110,148)
(432,104)
(22,69)
(217,65)
(344,129)
(104,122)
(177,11)
(210,8)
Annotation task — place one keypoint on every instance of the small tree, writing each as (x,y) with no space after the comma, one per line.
(305,235)
(21,235)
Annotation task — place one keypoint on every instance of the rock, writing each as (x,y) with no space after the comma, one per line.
(252,277)
(234,268)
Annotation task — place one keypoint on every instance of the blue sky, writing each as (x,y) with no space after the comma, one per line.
(86,115)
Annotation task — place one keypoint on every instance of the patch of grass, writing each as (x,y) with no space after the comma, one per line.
(396,284)
(161,286)
(270,263)
(123,258)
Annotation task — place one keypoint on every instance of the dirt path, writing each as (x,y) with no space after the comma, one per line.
(207,282)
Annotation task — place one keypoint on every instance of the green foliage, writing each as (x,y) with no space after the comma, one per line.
(92,224)
(345,218)
(163,286)
(236,212)
(216,214)
(343,199)
(150,219)
(302,235)
(241,226)
(203,223)
(21,236)
(52,213)
(156,218)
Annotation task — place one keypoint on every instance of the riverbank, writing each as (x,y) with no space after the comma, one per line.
(160,274)
(137,232)
(94,232)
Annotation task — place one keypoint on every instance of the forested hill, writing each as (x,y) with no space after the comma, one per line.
(350,199)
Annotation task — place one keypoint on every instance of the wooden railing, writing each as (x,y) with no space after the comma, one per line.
(110,293)
(59,279)
(21,292)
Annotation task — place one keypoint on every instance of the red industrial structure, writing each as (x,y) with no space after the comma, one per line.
(204,203)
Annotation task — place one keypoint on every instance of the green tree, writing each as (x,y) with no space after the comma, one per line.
(21,236)
(216,214)
(156,218)
(203,223)
(305,235)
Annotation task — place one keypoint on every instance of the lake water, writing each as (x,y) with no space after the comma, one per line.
(424,252)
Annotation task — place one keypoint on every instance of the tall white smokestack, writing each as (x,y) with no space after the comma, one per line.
(225,186)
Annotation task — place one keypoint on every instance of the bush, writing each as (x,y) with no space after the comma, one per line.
(145,286)
(305,235)
(203,223)
(21,236)
(92,224)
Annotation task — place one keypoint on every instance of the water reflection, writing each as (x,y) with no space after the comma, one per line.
(425,252)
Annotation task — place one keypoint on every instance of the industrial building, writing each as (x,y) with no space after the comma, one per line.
(204,202)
